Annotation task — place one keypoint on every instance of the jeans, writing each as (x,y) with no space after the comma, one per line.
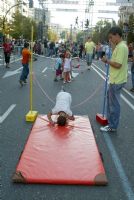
(89,57)
(132,74)
(25,72)
(113,104)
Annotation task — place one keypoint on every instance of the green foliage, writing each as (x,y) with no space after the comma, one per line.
(130,37)
(21,26)
(52,35)
(80,36)
(101,30)
(63,34)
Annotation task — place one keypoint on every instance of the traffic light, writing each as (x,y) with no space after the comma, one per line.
(87,23)
(76,20)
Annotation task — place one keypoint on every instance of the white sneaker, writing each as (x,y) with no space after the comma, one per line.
(107,129)
(88,68)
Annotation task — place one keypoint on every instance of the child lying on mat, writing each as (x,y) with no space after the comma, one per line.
(62,109)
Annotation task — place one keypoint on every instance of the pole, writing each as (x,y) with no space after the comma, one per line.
(31,115)
(31,72)
(105,90)
(101,117)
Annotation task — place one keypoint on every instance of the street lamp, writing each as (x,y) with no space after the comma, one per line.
(4,17)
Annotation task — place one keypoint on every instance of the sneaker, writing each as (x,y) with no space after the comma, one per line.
(55,79)
(132,89)
(107,129)
(25,81)
(88,68)
(64,82)
(21,83)
(69,81)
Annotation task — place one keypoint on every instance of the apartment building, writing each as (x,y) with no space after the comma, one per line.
(125,12)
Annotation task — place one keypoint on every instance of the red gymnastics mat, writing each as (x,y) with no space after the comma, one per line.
(61,155)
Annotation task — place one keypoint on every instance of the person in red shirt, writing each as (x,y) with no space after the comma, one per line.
(7,48)
(26,55)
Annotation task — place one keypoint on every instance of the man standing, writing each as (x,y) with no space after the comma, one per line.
(89,49)
(117,78)
(26,55)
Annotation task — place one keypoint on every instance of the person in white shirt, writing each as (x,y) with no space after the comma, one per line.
(62,109)
(67,67)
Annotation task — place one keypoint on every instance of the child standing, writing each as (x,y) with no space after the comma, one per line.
(67,67)
(26,55)
(58,67)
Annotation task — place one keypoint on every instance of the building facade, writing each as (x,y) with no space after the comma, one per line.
(125,12)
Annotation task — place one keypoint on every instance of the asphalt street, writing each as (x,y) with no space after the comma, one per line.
(87,91)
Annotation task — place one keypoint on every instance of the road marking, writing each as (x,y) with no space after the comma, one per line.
(119,168)
(128,102)
(131,105)
(44,69)
(74,74)
(132,96)
(11,73)
(5,115)
(115,158)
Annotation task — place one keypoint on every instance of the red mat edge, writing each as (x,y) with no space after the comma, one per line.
(100,179)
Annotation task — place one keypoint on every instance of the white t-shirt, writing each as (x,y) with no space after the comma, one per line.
(67,63)
(63,103)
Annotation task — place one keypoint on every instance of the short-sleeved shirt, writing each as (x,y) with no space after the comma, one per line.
(89,47)
(63,103)
(58,63)
(25,56)
(119,55)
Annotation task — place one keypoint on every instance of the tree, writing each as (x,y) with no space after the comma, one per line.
(63,34)
(80,37)
(130,37)
(101,30)
(21,26)
(52,35)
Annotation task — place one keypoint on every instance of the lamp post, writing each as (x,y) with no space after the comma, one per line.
(4,18)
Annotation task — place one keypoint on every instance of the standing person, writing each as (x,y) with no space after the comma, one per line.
(89,49)
(62,109)
(45,46)
(26,55)
(81,49)
(117,78)
(58,67)
(67,68)
(7,47)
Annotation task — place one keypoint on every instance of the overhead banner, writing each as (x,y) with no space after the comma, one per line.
(121,3)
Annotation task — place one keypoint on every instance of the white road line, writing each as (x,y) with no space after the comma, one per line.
(132,96)
(124,179)
(44,69)
(127,102)
(5,115)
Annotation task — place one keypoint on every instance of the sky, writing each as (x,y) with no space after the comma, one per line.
(66,19)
